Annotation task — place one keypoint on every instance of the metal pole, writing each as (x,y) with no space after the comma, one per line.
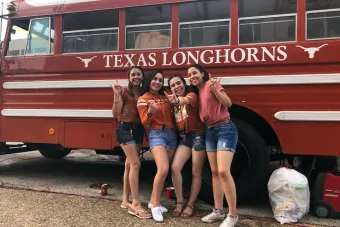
(1,43)
(2,13)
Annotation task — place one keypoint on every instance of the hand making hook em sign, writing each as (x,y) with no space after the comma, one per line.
(153,107)
(117,88)
(173,99)
(214,82)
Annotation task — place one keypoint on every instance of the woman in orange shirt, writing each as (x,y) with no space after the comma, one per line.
(130,134)
(156,116)
(192,142)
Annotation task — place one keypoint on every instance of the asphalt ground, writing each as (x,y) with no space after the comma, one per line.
(74,182)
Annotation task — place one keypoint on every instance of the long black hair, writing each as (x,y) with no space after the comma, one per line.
(202,70)
(149,78)
(130,87)
(188,88)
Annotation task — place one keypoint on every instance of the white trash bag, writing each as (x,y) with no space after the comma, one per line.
(289,195)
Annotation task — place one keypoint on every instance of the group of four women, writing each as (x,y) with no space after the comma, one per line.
(197,116)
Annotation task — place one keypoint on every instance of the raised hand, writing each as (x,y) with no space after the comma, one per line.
(117,88)
(172,98)
(153,107)
(214,82)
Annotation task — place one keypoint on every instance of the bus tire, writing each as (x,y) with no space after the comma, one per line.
(252,153)
(54,154)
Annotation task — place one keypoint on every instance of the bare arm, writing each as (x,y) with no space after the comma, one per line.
(117,106)
(117,99)
(219,92)
(223,98)
(190,99)
(174,100)
(183,101)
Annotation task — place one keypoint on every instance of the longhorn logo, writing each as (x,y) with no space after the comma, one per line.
(86,61)
(311,50)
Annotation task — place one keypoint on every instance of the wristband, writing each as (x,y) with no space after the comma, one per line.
(178,100)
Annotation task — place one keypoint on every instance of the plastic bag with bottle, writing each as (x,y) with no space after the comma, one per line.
(289,195)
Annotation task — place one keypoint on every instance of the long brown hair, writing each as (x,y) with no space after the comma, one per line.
(130,87)
(148,79)
(202,70)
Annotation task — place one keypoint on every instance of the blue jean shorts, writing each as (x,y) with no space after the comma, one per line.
(128,133)
(166,138)
(193,141)
(221,138)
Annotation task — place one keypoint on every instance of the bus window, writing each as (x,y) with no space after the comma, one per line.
(263,21)
(323,18)
(204,23)
(148,27)
(91,31)
(18,38)
(39,39)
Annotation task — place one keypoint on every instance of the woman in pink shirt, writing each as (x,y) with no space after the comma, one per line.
(221,140)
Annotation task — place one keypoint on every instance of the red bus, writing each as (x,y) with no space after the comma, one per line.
(279,62)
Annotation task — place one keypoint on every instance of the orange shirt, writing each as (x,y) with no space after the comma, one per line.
(162,116)
(187,116)
(129,111)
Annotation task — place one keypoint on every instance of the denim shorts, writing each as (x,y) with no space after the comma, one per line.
(166,138)
(128,133)
(193,141)
(221,138)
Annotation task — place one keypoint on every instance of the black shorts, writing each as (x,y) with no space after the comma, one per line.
(128,133)
(193,140)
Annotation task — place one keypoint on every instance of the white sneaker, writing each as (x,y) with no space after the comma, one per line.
(164,210)
(157,214)
(229,221)
(216,215)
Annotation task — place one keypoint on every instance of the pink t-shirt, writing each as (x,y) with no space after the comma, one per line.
(211,110)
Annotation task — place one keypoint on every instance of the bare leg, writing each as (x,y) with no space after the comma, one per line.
(217,186)
(182,155)
(224,160)
(171,154)
(126,184)
(160,155)
(198,158)
(131,151)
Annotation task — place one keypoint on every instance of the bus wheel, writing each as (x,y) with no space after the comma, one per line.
(49,152)
(249,167)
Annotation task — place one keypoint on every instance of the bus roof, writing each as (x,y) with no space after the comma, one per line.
(31,8)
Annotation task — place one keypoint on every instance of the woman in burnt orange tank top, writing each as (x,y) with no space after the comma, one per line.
(130,134)
(192,142)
